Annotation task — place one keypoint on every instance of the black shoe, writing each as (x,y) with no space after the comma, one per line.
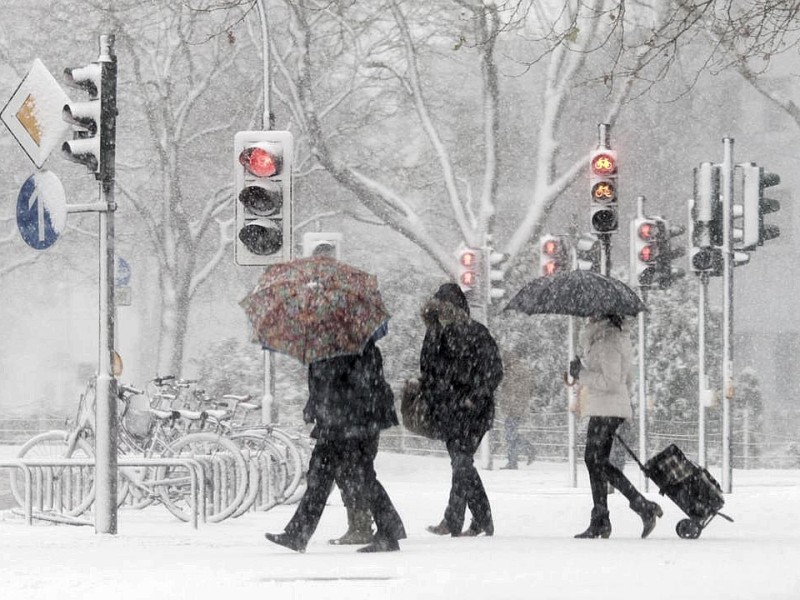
(474,530)
(441,529)
(649,512)
(599,526)
(286,540)
(509,467)
(381,544)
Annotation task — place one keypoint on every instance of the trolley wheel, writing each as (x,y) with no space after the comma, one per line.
(688,529)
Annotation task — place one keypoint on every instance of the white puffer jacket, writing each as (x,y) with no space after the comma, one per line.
(606,370)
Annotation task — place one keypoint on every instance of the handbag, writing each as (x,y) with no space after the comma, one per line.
(417,411)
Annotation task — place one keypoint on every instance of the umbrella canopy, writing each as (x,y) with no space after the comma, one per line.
(315,308)
(579,293)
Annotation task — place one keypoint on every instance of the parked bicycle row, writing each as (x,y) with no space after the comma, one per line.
(245,466)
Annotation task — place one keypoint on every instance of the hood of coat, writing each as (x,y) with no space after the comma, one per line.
(436,311)
(596,330)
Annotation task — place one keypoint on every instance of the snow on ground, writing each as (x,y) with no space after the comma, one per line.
(532,554)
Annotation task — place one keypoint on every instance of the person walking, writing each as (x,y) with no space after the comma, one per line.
(349,402)
(514,395)
(460,368)
(604,375)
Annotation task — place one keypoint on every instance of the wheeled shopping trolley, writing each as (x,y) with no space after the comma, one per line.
(691,487)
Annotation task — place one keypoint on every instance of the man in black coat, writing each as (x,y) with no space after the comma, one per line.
(349,403)
(460,368)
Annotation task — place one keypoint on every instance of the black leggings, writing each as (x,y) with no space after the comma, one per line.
(599,438)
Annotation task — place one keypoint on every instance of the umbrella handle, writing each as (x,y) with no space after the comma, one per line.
(567,382)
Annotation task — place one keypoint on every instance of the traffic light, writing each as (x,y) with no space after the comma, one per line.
(86,117)
(263,197)
(604,193)
(468,268)
(755,205)
(587,253)
(553,255)
(318,243)
(666,273)
(706,212)
(644,251)
(494,274)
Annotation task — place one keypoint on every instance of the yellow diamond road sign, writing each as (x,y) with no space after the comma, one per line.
(33,115)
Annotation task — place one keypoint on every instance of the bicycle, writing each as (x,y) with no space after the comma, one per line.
(70,490)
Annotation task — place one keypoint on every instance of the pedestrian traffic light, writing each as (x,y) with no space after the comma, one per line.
(604,192)
(667,252)
(587,253)
(468,268)
(755,205)
(318,243)
(553,255)
(644,251)
(84,148)
(495,274)
(263,197)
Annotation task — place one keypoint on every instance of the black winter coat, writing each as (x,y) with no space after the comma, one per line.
(460,369)
(348,396)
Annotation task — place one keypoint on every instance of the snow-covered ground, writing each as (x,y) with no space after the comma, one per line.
(532,554)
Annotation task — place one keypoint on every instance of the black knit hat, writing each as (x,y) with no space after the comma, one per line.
(450,292)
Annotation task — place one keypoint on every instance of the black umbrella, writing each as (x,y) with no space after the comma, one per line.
(578,293)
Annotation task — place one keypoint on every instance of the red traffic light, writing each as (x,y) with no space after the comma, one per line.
(647,231)
(647,254)
(604,164)
(260,162)
(551,248)
(468,259)
(550,268)
(468,278)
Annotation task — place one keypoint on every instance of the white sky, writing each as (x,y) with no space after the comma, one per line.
(532,554)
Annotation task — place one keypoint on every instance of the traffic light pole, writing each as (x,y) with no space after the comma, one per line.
(727,328)
(572,391)
(701,370)
(106,406)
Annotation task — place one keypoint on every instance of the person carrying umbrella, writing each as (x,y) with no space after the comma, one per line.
(328,315)
(460,368)
(604,375)
(349,403)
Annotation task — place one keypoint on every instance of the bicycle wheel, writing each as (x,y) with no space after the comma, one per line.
(67,490)
(296,462)
(268,473)
(224,482)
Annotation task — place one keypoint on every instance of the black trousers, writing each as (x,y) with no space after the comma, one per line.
(466,487)
(353,460)
(599,439)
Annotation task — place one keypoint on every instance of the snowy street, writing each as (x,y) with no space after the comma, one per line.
(532,554)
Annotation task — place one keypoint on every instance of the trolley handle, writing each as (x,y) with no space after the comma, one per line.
(624,445)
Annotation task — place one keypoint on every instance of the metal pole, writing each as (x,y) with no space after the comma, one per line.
(642,343)
(727,329)
(269,409)
(267,119)
(106,408)
(644,482)
(482,313)
(571,401)
(701,370)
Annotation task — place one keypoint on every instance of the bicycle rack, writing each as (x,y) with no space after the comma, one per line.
(193,466)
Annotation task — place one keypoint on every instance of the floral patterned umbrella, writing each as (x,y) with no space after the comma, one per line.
(315,308)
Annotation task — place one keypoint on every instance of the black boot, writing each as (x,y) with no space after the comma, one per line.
(287,541)
(599,526)
(474,529)
(381,544)
(359,528)
(441,529)
(649,512)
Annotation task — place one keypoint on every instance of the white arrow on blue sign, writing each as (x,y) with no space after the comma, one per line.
(41,210)
(122,272)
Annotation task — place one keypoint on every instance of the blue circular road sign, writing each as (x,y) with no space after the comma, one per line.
(41,210)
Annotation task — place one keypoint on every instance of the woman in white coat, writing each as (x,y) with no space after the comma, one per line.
(604,372)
